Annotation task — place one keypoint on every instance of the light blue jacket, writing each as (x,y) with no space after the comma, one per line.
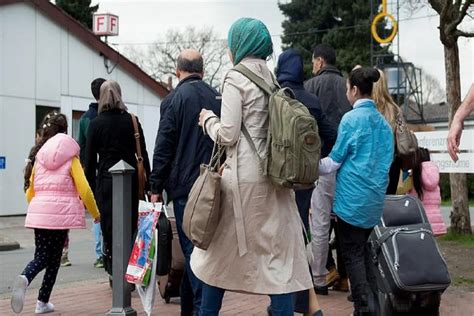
(364,148)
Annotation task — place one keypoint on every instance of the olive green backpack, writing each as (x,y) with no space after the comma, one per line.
(293,144)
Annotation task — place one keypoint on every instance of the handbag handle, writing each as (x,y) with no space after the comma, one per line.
(217,152)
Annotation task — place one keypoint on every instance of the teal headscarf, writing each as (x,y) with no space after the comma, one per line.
(249,37)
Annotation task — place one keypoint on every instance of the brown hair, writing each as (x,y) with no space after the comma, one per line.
(52,124)
(420,156)
(385,104)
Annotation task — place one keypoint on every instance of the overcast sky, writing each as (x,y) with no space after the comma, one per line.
(143,22)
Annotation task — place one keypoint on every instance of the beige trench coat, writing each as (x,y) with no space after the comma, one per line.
(258,246)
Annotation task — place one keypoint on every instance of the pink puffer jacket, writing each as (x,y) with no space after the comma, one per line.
(431,197)
(56,203)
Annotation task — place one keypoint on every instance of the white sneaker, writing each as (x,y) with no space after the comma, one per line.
(18,294)
(43,308)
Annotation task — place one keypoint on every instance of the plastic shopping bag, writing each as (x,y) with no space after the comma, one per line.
(141,258)
(147,293)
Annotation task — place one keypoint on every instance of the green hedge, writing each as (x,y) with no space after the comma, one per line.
(446,190)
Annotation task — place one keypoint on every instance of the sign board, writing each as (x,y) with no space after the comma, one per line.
(105,24)
(437,144)
(3,163)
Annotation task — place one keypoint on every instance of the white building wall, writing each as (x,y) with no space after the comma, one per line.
(43,64)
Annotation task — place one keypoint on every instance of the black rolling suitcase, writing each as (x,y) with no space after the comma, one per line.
(411,274)
(169,280)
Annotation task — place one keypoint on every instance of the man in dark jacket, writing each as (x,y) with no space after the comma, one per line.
(330,86)
(180,148)
(84,121)
(88,116)
(290,73)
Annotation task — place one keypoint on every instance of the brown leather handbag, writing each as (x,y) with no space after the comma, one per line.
(138,154)
(406,142)
(202,211)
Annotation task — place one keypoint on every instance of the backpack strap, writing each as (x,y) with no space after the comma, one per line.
(254,148)
(255,79)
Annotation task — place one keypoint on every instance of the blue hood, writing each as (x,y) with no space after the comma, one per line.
(290,67)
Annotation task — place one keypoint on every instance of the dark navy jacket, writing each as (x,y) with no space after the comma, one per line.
(290,74)
(181,146)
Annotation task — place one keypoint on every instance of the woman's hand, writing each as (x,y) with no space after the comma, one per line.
(202,116)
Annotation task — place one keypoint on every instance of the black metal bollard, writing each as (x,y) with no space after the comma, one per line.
(122,237)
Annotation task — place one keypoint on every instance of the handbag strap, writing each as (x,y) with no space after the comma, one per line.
(136,134)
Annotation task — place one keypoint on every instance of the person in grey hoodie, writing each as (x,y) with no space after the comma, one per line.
(329,86)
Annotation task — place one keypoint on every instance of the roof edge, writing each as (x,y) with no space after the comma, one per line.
(86,36)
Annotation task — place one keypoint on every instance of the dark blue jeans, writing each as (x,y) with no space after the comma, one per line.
(191,286)
(281,304)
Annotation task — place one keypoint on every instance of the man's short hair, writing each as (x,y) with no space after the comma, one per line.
(192,66)
(95,87)
(326,52)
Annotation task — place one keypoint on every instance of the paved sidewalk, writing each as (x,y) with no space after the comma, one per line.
(95,298)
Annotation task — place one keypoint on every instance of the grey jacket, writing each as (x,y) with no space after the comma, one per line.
(330,86)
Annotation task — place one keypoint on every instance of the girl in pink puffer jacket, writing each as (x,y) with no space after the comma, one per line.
(426,187)
(57,190)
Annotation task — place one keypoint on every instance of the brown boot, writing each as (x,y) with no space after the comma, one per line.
(332,277)
(341,285)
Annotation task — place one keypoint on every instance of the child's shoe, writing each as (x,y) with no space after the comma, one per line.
(65,258)
(18,294)
(43,308)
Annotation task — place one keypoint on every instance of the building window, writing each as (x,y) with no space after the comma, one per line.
(41,111)
(76,116)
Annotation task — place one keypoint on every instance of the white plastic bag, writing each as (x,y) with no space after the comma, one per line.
(141,257)
(147,293)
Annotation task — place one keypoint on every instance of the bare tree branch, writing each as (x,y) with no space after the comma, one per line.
(438,5)
(459,33)
(457,16)
(464,9)
(457,4)
(160,59)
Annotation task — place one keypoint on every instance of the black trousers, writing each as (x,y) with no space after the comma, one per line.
(394,176)
(341,268)
(49,247)
(356,254)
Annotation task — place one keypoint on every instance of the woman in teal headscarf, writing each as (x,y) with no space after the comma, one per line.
(249,37)
(258,246)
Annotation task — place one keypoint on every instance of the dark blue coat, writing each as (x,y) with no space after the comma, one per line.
(290,74)
(181,146)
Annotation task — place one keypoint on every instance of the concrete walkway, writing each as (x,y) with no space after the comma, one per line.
(95,297)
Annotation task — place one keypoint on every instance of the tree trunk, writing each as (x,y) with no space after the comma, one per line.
(460,218)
